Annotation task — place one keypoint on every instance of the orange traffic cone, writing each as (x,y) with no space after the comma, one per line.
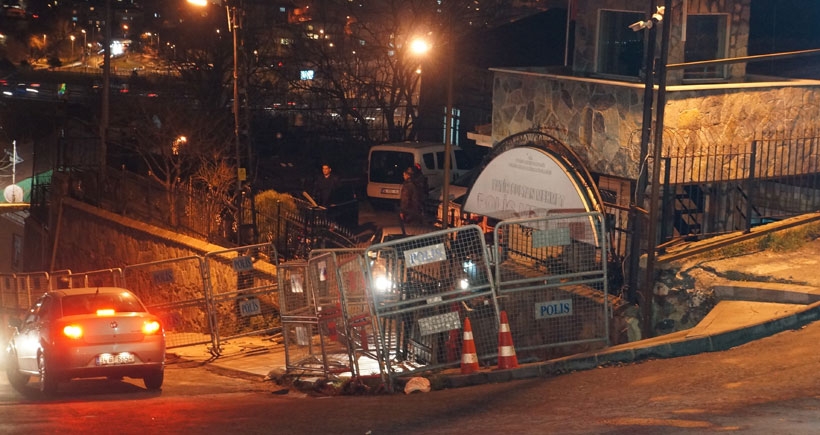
(506,350)
(469,358)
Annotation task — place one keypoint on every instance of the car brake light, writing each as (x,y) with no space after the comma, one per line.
(73,331)
(150,327)
(105,312)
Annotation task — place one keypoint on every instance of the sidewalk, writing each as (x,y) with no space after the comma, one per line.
(766,309)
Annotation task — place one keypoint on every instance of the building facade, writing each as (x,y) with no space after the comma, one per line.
(721,126)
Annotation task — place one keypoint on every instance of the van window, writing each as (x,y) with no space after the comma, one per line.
(440,162)
(429,160)
(387,166)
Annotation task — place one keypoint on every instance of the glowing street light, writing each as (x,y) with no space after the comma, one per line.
(72,37)
(419,46)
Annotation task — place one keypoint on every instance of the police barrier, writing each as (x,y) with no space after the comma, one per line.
(422,288)
(345,272)
(95,278)
(300,323)
(174,290)
(241,286)
(551,280)
(19,290)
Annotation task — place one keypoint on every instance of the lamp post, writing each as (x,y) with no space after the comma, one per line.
(233,26)
(419,46)
(105,91)
(448,135)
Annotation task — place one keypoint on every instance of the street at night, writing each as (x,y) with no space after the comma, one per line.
(767,386)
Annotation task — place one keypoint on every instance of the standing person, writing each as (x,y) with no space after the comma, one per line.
(325,185)
(423,189)
(410,207)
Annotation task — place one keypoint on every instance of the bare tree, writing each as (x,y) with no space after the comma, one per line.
(365,76)
(180,145)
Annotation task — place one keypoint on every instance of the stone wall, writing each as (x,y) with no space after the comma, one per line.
(602,119)
(92,239)
(598,116)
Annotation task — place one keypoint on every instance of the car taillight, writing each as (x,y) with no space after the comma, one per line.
(105,312)
(73,331)
(151,327)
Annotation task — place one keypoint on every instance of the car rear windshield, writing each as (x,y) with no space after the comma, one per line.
(388,166)
(89,303)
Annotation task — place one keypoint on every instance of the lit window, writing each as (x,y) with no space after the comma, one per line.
(705,40)
(620,50)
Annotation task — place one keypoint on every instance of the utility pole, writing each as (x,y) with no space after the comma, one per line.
(106,91)
(637,214)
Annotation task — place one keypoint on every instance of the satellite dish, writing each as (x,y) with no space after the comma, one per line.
(13,193)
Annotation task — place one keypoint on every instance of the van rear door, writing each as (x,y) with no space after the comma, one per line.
(385,173)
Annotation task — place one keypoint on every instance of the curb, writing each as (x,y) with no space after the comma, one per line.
(636,352)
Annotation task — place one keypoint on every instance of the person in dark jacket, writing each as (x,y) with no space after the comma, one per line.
(421,182)
(410,205)
(325,185)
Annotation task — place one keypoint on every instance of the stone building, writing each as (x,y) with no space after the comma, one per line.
(736,149)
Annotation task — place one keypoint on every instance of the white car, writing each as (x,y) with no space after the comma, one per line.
(85,333)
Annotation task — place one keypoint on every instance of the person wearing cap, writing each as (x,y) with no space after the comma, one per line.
(410,205)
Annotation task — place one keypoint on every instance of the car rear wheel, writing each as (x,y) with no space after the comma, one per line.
(153,381)
(17,380)
(48,382)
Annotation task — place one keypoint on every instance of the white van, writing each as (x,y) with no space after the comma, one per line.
(387,162)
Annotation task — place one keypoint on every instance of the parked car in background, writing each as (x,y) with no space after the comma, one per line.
(387,162)
(86,333)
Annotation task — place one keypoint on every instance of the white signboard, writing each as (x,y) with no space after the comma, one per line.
(553,309)
(439,323)
(524,182)
(425,255)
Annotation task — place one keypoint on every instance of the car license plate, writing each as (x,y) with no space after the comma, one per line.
(390,191)
(109,359)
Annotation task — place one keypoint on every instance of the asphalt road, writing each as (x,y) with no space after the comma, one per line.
(767,386)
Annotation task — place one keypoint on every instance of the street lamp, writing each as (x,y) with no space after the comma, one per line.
(72,37)
(420,46)
(233,26)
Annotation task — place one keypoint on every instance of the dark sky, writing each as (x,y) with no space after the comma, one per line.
(784,25)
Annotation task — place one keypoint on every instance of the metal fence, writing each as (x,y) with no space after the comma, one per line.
(422,289)
(724,188)
(295,227)
(346,273)
(393,309)
(552,282)
(173,290)
(200,299)
(244,298)
(18,291)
